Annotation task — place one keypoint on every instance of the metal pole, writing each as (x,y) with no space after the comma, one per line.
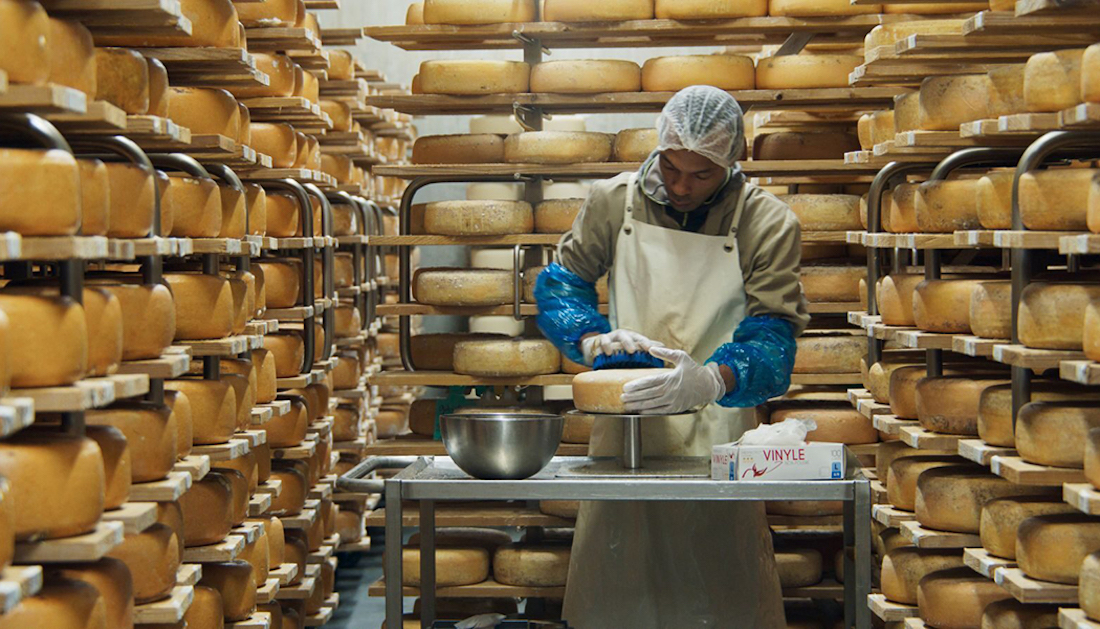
(632,442)
(427,563)
(392,556)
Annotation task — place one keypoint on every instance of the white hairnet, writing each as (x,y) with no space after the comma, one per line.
(703,120)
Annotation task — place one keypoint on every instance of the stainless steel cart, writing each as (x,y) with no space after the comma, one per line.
(433,479)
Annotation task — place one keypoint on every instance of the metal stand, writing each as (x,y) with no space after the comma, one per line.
(632,458)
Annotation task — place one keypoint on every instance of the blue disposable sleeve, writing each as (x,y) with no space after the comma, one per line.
(568,309)
(762,359)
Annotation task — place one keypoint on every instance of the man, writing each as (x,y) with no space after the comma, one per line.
(704,274)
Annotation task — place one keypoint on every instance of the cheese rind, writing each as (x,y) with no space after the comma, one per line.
(72,56)
(436,351)
(819,8)
(904,471)
(1001,520)
(708,9)
(478,218)
(1090,74)
(634,145)
(895,298)
(205,111)
(606,10)
(944,305)
(24,42)
(462,287)
(949,404)
(204,305)
(151,433)
(834,425)
(804,145)
(991,310)
(32,319)
(951,498)
(453,566)
(1054,433)
(557,147)
(479,12)
(1052,547)
(526,565)
(458,149)
(48,180)
(279,140)
(947,206)
(586,76)
(825,212)
(95,199)
(995,407)
(601,391)
(957,597)
(831,283)
(829,354)
(122,79)
(948,101)
(213,409)
(672,74)
(1052,80)
(1052,316)
(805,71)
(556,216)
(799,567)
(1089,586)
(153,559)
(995,199)
(512,357)
(903,568)
(461,77)
(1056,200)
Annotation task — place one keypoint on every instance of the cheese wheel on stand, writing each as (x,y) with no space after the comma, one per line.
(132,194)
(204,305)
(153,559)
(62,603)
(117,464)
(557,147)
(1056,200)
(25,36)
(95,199)
(904,472)
(57,321)
(1090,338)
(213,408)
(50,180)
(185,424)
(899,209)
(829,354)
(556,216)
(805,71)
(1052,80)
(472,77)
(512,357)
(834,425)
(436,351)
(995,407)
(462,287)
(525,565)
(458,149)
(196,207)
(1089,586)
(894,295)
(832,283)
(607,10)
(819,8)
(634,145)
(672,74)
(72,56)
(235,582)
(205,111)
(1001,520)
(991,310)
(112,579)
(279,140)
(825,212)
(151,433)
(788,145)
(600,391)
(1052,316)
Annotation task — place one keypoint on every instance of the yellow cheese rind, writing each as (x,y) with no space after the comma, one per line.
(991,310)
(948,101)
(1052,316)
(995,199)
(1054,433)
(478,218)
(1001,520)
(832,283)
(132,193)
(458,149)
(600,391)
(606,10)
(995,407)
(586,76)
(947,206)
(944,305)
(634,145)
(1052,80)
(46,180)
(513,357)
(557,147)
(460,77)
(1089,586)
(531,566)
(435,352)
(829,354)
(463,287)
(709,9)
(903,568)
(204,305)
(957,597)
(47,339)
(951,498)
(465,12)
(1052,547)
(72,56)
(279,140)
(904,471)
(556,216)
(672,74)
(825,212)
(453,566)
(122,79)
(205,111)
(834,425)
(95,201)
(1056,200)
(819,8)
(1090,74)
(949,404)
(805,71)
(24,42)
(895,298)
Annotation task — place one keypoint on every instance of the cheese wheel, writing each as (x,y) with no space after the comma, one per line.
(834,425)
(903,568)
(557,147)
(561,508)
(888,452)
(213,409)
(829,354)
(453,566)
(462,287)
(1054,433)
(875,128)
(339,112)
(828,283)
(600,391)
(32,318)
(283,217)
(273,529)
(578,76)
(278,140)
(1052,315)
(1089,585)
(235,582)
(25,34)
(234,215)
(281,71)
(1001,519)
(112,579)
(344,219)
(205,111)
(341,65)
(944,305)
(956,598)
(204,305)
(205,610)
(798,568)
(213,24)
(340,167)
(72,56)
(578,428)
(805,71)
(470,77)
(995,407)
(465,12)
(556,216)
(185,424)
(949,404)
(991,310)
(947,206)
(1056,200)
(390,422)
(907,112)
(804,145)
(948,101)
(899,209)
(263,363)
(122,79)
(153,559)
(1090,337)
(282,281)
(349,322)
(458,149)
(672,74)
(951,498)
(48,180)
(525,565)
(894,295)
(903,472)
(415,15)
(995,199)
(348,369)
(196,207)
(891,33)
(709,9)
(288,352)
(288,429)
(116,463)
(1090,74)
(877,378)
(503,358)
(607,10)
(151,433)
(903,390)
(1007,90)
(1052,80)
(62,603)
(95,197)
(148,316)
(207,509)
(295,478)
(422,416)
(132,193)
(825,212)
(436,351)
(242,393)
(634,145)
(818,8)
(1052,547)
(346,423)
(273,13)
(158,88)
(478,218)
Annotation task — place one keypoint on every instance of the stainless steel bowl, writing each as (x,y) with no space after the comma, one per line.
(501,446)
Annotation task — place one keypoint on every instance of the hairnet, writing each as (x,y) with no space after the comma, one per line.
(703,120)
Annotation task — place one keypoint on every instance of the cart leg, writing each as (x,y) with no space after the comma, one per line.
(632,443)
(427,563)
(863,553)
(850,596)
(394,604)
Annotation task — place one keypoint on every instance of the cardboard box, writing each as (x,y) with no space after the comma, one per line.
(809,461)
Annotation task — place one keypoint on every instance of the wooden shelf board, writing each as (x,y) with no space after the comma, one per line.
(1027,590)
(17,583)
(43,99)
(285,573)
(1080,371)
(927,538)
(80,548)
(272,486)
(266,594)
(189,574)
(890,611)
(1074,618)
(166,367)
(299,592)
(1006,23)
(134,516)
(917,339)
(1009,239)
(917,437)
(979,560)
(870,408)
(195,465)
(232,449)
(167,611)
(167,490)
(16,413)
(1037,360)
(890,516)
(1081,244)
(225,550)
(319,619)
(259,504)
(975,346)
(302,451)
(1021,472)
(1083,496)
(981,452)
(258,620)
(227,347)
(892,424)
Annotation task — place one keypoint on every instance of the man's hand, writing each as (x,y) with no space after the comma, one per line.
(615,341)
(686,386)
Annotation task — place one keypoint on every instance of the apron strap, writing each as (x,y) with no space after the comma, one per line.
(628,209)
(731,238)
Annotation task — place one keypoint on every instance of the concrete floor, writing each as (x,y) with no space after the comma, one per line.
(356,572)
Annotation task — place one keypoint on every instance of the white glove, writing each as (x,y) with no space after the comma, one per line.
(686,386)
(615,341)
(483,621)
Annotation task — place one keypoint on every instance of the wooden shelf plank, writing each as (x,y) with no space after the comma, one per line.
(17,583)
(189,574)
(167,490)
(922,439)
(981,452)
(1073,618)
(1037,360)
(1027,590)
(1021,472)
(285,573)
(195,465)
(232,449)
(979,560)
(890,516)
(266,594)
(1082,244)
(258,620)
(1083,496)
(975,346)
(225,550)
(163,368)
(917,339)
(1080,371)
(80,548)
(259,504)
(167,611)
(928,538)
(134,516)
(890,611)
(486,589)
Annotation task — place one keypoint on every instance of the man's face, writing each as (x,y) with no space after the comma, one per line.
(690,179)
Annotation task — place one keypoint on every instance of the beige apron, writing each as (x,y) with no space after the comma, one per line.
(674,565)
